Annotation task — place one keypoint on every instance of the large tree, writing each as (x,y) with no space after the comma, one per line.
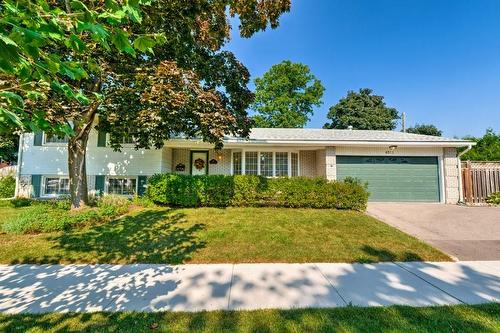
(487,147)
(363,111)
(285,95)
(149,69)
(425,129)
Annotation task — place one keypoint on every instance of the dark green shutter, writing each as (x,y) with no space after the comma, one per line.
(141,188)
(99,184)
(36,181)
(38,138)
(101,139)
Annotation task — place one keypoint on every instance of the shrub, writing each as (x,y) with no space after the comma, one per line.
(248,190)
(21,202)
(55,215)
(7,187)
(494,198)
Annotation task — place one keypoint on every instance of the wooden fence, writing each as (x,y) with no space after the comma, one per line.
(479,180)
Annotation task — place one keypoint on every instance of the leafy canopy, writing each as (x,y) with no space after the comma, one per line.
(61,62)
(362,111)
(285,95)
(425,130)
(487,148)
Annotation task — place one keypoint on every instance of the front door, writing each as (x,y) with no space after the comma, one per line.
(199,162)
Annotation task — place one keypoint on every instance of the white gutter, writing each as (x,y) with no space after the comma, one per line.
(460,185)
(19,163)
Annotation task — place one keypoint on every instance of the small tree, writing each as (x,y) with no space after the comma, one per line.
(285,95)
(362,111)
(9,146)
(487,148)
(151,69)
(425,130)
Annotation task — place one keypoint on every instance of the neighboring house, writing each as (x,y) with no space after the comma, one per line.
(397,166)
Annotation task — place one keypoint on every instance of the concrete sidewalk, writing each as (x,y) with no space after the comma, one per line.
(43,288)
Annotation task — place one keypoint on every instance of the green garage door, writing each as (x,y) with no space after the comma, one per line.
(394,178)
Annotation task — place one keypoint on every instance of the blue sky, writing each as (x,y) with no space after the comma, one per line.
(436,60)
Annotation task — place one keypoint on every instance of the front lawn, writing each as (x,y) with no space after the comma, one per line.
(212,235)
(460,318)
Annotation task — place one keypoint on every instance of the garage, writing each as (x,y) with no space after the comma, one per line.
(394,178)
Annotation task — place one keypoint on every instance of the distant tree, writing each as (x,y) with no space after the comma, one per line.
(425,130)
(9,144)
(362,111)
(285,95)
(487,148)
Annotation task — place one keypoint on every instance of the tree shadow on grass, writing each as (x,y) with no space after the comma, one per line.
(151,236)
(380,254)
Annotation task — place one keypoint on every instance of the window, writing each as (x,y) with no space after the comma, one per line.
(251,163)
(122,186)
(266,164)
(281,164)
(56,186)
(128,140)
(295,164)
(56,139)
(237,163)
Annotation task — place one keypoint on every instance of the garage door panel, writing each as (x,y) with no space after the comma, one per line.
(394,178)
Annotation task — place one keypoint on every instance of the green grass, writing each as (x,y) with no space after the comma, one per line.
(211,235)
(461,318)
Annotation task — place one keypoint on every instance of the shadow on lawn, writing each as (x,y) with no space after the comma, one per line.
(150,236)
(380,254)
(352,319)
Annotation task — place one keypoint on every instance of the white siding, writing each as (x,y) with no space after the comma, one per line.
(53,159)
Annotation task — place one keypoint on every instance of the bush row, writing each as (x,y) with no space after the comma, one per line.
(55,215)
(247,190)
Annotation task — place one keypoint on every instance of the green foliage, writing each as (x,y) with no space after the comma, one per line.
(243,190)
(7,186)
(425,130)
(487,148)
(21,202)
(362,111)
(55,215)
(494,198)
(285,95)
(9,144)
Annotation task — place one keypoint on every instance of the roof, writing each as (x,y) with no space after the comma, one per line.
(316,135)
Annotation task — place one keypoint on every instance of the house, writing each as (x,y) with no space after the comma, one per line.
(397,166)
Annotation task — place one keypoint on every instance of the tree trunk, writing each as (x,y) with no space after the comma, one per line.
(77,171)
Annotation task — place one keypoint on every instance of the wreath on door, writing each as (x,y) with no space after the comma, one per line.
(199,164)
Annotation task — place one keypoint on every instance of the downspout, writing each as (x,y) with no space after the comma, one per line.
(460,185)
(19,163)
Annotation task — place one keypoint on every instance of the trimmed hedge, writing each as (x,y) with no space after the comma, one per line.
(247,190)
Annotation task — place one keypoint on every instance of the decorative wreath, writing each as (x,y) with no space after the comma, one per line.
(199,163)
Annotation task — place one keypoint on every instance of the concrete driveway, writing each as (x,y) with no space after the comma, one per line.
(466,233)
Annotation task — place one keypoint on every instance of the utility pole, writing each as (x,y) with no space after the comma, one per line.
(403,121)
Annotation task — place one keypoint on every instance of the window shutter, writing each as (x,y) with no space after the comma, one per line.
(101,139)
(99,184)
(142,182)
(38,138)
(36,181)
